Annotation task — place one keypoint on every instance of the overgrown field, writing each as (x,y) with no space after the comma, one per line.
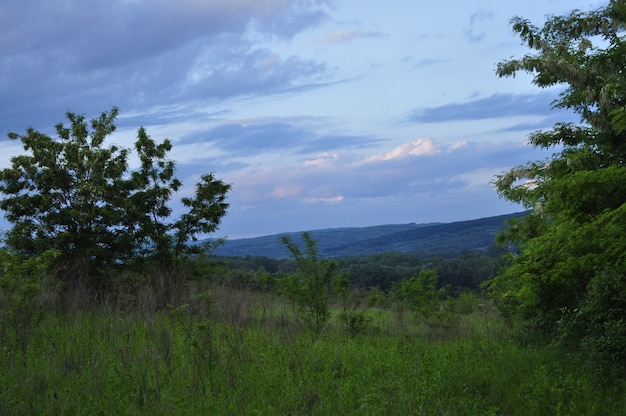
(232,351)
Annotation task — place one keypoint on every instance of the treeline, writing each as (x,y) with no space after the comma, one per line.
(465,270)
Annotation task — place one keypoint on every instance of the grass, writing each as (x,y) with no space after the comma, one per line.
(237,352)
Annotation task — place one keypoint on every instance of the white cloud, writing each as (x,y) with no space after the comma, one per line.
(325,160)
(347,35)
(419,147)
(326,200)
(421,167)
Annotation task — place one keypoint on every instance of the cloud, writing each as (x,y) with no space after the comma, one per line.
(169,115)
(180,78)
(419,147)
(88,57)
(477,29)
(126,31)
(419,167)
(557,116)
(274,136)
(494,106)
(222,72)
(348,35)
(292,17)
(325,200)
(425,63)
(325,160)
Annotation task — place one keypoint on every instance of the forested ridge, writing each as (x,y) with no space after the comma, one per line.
(443,239)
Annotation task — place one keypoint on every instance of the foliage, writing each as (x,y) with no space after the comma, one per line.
(355,322)
(574,239)
(310,288)
(21,281)
(467,269)
(599,322)
(420,291)
(176,362)
(75,195)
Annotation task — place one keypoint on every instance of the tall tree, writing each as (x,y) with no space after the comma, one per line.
(569,280)
(76,195)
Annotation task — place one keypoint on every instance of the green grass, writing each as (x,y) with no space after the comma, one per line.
(250,355)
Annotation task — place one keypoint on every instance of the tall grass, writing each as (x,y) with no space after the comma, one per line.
(231,351)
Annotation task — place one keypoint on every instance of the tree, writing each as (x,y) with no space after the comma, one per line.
(76,196)
(573,243)
(420,291)
(310,287)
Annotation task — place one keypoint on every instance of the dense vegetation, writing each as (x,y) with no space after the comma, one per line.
(466,269)
(75,196)
(568,283)
(223,348)
(106,309)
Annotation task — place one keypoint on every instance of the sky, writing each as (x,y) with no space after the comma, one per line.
(319,113)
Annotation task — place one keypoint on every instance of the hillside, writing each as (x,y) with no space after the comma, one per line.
(396,238)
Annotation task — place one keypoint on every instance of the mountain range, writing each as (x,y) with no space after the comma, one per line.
(427,238)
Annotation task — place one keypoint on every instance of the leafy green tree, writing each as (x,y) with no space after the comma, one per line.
(75,195)
(420,291)
(310,288)
(573,243)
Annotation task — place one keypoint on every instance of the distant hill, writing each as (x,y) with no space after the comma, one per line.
(399,238)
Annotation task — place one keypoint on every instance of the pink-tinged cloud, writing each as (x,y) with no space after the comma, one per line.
(419,147)
(423,181)
(325,160)
(421,167)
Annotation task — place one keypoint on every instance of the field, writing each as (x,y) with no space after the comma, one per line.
(232,351)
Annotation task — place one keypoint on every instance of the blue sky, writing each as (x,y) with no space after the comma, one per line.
(320,113)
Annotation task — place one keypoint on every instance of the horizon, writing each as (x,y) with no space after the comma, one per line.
(372,226)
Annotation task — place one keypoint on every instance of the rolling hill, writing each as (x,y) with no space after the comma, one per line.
(430,238)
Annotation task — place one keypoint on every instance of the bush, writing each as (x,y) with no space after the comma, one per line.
(420,292)
(21,281)
(598,326)
(310,287)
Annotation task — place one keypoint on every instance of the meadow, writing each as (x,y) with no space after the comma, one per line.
(227,350)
